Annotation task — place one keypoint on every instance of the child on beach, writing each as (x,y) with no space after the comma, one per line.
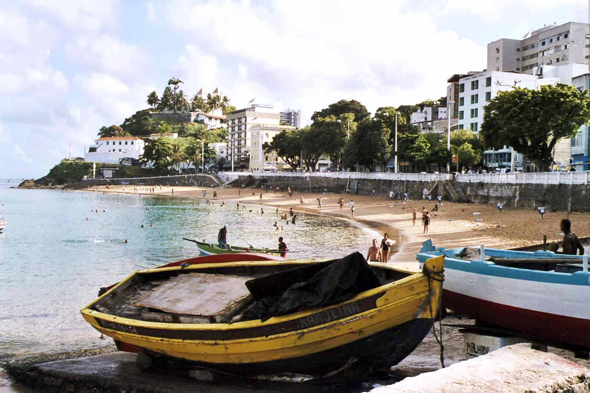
(341,203)
(426,219)
(319,203)
(414,214)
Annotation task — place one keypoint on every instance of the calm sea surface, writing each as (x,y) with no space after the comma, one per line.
(53,261)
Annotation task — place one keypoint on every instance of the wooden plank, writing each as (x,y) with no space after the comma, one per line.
(199,294)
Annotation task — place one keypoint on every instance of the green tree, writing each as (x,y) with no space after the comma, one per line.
(181,102)
(198,104)
(229,109)
(341,107)
(156,153)
(214,101)
(111,131)
(167,100)
(312,151)
(438,153)
(533,121)
(177,153)
(467,147)
(153,100)
(140,123)
(369,144)
(68,171)
(407,110)
(174,82)
(414,148)
(331,133)
(287,146)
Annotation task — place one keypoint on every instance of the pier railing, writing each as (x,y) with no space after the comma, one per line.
(527,178)
(425,177)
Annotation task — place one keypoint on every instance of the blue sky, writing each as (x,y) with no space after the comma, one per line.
(69,67)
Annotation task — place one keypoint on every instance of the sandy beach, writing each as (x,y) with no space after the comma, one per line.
(454,225)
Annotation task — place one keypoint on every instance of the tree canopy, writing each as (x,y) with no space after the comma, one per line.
(533,121)
(287,146)
(467,147)
(112,131)
(341,107)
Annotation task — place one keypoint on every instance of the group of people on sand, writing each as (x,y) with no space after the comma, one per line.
(380,253)
(425,218)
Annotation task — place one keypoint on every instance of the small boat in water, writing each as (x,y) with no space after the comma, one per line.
(269,317)
(539,294)
(2,224)
(213,249)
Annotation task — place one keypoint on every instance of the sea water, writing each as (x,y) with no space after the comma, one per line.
(60,247)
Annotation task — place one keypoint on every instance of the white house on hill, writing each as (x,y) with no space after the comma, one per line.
(111,150)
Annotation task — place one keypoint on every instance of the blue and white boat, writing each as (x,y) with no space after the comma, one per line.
(541,294)
(2,224)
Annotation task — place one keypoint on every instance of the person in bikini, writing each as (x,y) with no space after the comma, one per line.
(385,248)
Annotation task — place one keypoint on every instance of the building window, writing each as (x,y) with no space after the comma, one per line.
(488,96)
(542,43)
(517,68)
(557,38)
(497,50)
(131,142)
(550,40)
(566,46)
(474,99)
(120,143)
(460,126)
(557,60)
(461,114)
(474,85)
(474,113)
(125,142)
(565,36)
(107,143)
(474,127)
(461,87)
(461,101)
(488,81)
(518,49)
(119,150)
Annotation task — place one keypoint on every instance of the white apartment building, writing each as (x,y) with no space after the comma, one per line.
(111,150)
(259,160)
(239,124)
(475,91)
(550,45)
(220,149)
(425,118)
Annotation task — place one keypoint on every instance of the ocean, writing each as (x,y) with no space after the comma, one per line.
(60,247)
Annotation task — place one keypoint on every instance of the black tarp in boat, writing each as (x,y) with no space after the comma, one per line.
(321,284)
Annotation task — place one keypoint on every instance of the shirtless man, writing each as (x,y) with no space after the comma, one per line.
(374,253)
(571,243)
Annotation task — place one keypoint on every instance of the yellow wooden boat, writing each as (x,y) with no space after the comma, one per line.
(375,328)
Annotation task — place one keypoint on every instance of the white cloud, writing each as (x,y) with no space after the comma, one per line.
(83,15)
(107,53)
(20,154)
(309,54)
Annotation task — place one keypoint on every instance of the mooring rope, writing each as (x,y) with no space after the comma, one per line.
(440,277)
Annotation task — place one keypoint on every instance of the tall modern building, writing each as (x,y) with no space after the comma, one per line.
(239,124)
(291,117)
(550,45)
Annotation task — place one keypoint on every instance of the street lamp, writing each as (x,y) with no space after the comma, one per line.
(449,133)
(395,159)
(347,128)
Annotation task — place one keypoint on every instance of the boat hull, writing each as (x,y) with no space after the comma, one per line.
(376,328)
(547,305)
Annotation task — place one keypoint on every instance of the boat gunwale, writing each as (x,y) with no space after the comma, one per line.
(412,277)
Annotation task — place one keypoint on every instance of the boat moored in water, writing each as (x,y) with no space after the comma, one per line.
(206,248)
(540,294)
(2,224)
(269,317)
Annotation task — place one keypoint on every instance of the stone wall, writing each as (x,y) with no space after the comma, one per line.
(340,185)
(181,180)
(530,195)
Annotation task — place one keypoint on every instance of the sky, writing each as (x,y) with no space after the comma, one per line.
(69,67)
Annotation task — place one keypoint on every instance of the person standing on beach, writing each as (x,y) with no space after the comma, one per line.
(222,237)
(301,200)
(374,253)
(571,244)
(291,212)
(414,214)
(290,192)
(319,203)
(426,218)
(260,197)
(385,248)
(283,248)
(341,203)
(351,204)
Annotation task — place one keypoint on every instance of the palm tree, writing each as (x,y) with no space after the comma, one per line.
(153,99)
(177,155)
(214,102)
(198,104)
(167,100)
(182,102)
(174,82)
(224,102)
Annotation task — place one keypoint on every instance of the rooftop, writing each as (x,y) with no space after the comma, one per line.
(118,138)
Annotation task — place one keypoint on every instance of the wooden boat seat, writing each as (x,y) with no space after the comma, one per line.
(196,298)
